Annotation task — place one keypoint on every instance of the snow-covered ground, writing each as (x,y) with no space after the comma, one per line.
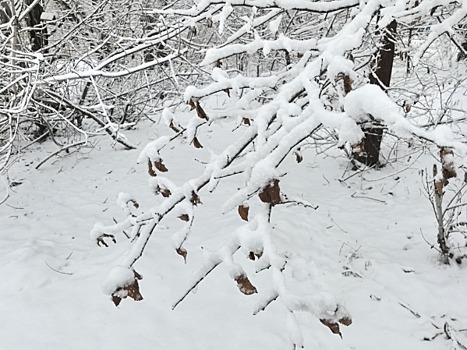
(365,244)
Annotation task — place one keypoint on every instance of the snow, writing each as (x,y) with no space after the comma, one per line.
(53,272)
(365,252)
(119,276)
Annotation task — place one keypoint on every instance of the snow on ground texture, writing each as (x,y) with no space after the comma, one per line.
(362,245)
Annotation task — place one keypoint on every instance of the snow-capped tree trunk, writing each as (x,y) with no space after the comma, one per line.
(381,75)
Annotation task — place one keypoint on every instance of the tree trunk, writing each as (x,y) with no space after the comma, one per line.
(380,75)
(37,31)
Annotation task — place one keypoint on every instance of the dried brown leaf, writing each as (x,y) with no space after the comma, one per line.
(298,156)
(271,193)
(449,169)
(173,127)
(101,239)
(243,212)
(333,326)
(160,166)
(200,111)
(407,106)
(255,255)
(347,84)
(131,290)
(165,192)
(116,300)
(196,143)
(227,91)
(439,185)
(246,121)
(244,285)
(346,321)
(195,198)
(182,252)
(184,217)
(192,104)
(135,203)
(151,171)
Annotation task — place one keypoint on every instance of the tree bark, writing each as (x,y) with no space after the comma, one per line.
(37,31)
(381,76)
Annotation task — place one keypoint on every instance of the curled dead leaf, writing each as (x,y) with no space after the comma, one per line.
(101,239)
(255,255)
(165,192)
(333,326)
(182,252)
(298,156)
(160,166)
(447,161)
(192,104)
(184,217)
(271,193)
(244,285)
(246,121)
(196,143)
(346,321)
(243,212)
(151,171)
(407,106)
(173,127)
(195,198)
(347,84)
(200,111)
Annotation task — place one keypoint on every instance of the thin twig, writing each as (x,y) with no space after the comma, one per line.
(195,284)
(61,272)
(64,148)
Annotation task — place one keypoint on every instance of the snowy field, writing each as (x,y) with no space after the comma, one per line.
(366,244)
